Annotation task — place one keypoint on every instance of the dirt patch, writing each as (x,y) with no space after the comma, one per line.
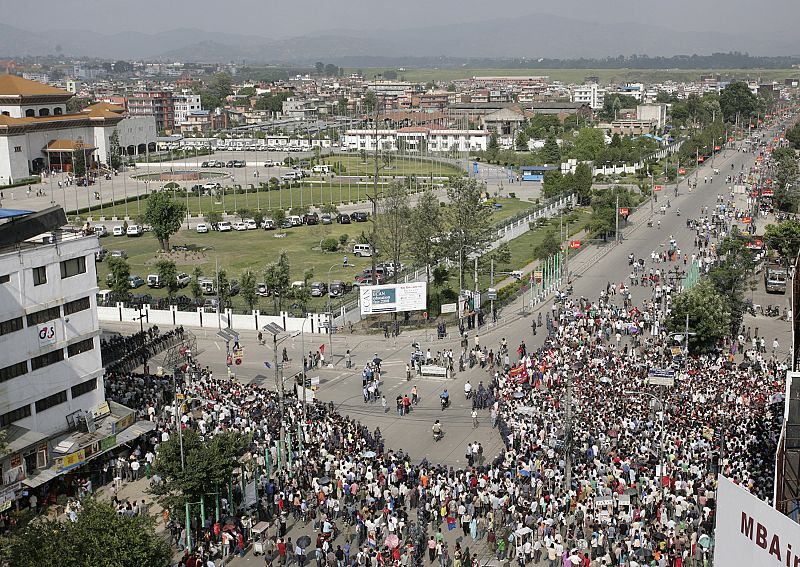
(191,257)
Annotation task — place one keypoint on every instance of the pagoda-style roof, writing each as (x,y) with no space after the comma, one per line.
(14,86)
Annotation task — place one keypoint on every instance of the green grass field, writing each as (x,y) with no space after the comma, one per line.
(254,249)
(577,75)
(397,166)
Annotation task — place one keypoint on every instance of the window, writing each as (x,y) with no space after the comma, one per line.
(40,275)
(74,306)
(15,415)
(17,149)
(81,346)
(57,111)
(73,267)
(5,279)
(50,401)
(47,359)
(13,371)
(30,113)
(44,112)
(84,388)
(10,326)
(43,316)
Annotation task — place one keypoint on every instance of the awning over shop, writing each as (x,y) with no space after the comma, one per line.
(19,438)
(67,146)
(107,444)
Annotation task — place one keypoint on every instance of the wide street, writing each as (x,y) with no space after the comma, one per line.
(592,270)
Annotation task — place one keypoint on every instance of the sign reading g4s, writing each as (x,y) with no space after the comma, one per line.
(47,333)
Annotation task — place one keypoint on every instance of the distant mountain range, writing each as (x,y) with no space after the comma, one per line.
(530,36)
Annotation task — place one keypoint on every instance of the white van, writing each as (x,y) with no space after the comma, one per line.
(118,230)
(154,281)
(295,220)
(207,285)
(135,230)
(103,297)
(362,250)
(224,226)
(321,169)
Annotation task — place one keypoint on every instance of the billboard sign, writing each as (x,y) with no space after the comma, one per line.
(47,333)
(393,298)
(661,377)
(448,308)
(751,532)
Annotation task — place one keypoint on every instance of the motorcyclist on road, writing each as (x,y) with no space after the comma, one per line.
(467,389)
(445,396)
(437,430)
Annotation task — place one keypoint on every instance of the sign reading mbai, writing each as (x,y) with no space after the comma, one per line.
(751,532)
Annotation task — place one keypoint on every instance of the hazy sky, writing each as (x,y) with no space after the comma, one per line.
(271,18)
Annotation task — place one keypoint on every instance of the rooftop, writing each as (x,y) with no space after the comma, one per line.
(11,85)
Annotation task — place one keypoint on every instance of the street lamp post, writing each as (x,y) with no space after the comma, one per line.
(345,264)
(274,330)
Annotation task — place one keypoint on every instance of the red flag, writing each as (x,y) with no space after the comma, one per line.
(322,348)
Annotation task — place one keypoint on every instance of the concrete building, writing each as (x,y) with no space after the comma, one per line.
(592,95)
(184,104)
(37,134)
(158,104)
(656,113)
(416,139)
(52,397)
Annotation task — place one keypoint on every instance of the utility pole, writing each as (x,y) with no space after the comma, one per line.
(491,279)
(279,386)
(616,221)
(375,195)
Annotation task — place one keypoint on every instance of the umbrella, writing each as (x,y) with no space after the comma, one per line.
(391,541)
(523,472)
(303,541)
(368,454)
(704,541)
(613,433)
(574,559)
(227,527)
(323,480)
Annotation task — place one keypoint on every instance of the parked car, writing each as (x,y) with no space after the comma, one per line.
(311,218)
(100,255)
(270,163)
(268,224)
(208,286)
(184,279)
(239,225)
(286,223)
(224,226)
(238,163)
(251,224)
(135,281)
(154,281)
(135,230)
(233,287)
(366,279)
(118,231)
(100,230)
(326,219)
(262,290)
(211,186)
(343,218)
(362,250)
(230,163)
(359,216)
(119,254)
(204,164)
(296,220)
(202,228)
(318,289)
(339,288)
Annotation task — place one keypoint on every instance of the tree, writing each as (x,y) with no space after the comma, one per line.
(582,183)
(272,102)
(553,183)
(223,288)
(370,101)
(247,286)
(494,145)
(331,70)
(168,274)
(793,135)
(319,67)
(278,216)
(243,213)
(469,221)
(521,142)
(194,285)
(736,100)
(732,274)
(302,294)
(343,238)
(392,222)
(114,153)
(209,464)
(164,215)
(425,231)
(709,316)
(120,271)
(589,143)
(547,247)
(213,218)
(329,244)
(81,159)
(550,152)
(100,536)
(276,276)
(218,89)
(246,92)
(784,238)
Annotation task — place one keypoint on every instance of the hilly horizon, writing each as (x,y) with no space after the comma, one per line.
(529,36)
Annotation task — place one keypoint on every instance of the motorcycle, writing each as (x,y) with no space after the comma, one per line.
(678,212)
(445,403)
(437,436)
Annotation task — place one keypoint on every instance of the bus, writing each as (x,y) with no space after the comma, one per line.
(775,279)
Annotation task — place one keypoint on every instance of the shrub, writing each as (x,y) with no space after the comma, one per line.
(330,245)
(343,238)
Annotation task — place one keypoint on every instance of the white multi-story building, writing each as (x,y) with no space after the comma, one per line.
(52,397)
(50,362)
(591,95)
(416,139)
(185,104)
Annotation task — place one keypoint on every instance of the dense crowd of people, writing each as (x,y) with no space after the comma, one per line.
(125,353)
(600,465)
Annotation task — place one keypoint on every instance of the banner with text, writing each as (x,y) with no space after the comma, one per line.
(393,298)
